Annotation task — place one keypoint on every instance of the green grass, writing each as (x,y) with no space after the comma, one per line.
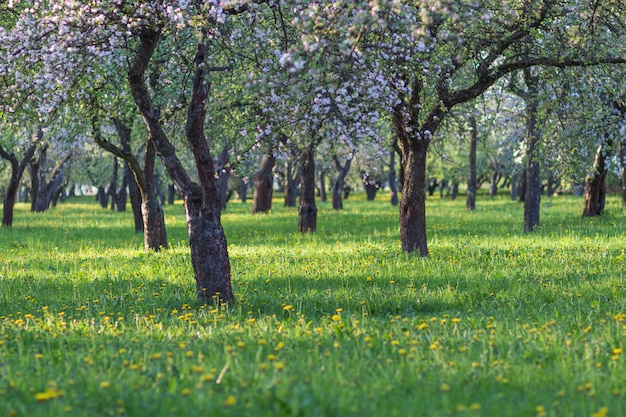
(337,323)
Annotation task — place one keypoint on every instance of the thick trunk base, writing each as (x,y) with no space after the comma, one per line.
(155,236)
(209,257)
(307,218)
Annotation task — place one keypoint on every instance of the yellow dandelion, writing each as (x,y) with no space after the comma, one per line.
(475,407)
(617,351)
(105,384)
(287,307)
(207,377)
(185,392)
(336,317)
(444,387)
(230,401)
(279,366)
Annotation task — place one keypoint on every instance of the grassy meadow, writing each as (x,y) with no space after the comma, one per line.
(337,323)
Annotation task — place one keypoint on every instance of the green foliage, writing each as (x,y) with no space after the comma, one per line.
(334,323)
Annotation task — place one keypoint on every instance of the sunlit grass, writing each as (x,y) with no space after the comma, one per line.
(340,322)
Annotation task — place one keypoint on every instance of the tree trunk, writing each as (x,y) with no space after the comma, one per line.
(17,170)
(413,201)
(264,184)
(323,185)
(371,187)
(552,185)
(307,211)
(135,203)
(207,242)
(622,162)
(291,184)
(532,197)
(113,185)
(595,186)
(393,185)
(171,193)
(495,178)
(122,192)
(342,171)
(41,200)
(243,189)
(470,201)
(154,232)
(33,170)
(103,197)
(455,190)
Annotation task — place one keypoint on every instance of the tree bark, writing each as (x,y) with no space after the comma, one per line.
(102,197)
(323,185)
(393,185)
(532,197)
(291,184)
(171,193)
(264,184)
(455,190)
(244,183)
(413,201)
(113,185)
(134,194)
(207,241)
(342,172)
(495,178)
(154,231)
(17,170)
(595,186)
(39,191)
(307,211)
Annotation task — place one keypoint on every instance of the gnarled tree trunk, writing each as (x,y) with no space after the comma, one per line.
(291,184)
(595,187)
(323,196)
(339,183)
(307,211)
(207,241)
(17,170)
(532,197)
(113,184)
(264,184)
(413,201)
(154,232)
(147,211)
